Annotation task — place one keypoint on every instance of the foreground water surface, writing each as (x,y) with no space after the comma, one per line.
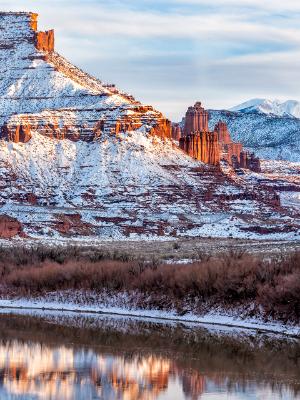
(59,357)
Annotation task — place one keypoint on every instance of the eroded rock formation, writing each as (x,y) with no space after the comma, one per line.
(197,141)
(233,152)
(202,146)
(211,147)
(249,161)
(9,227)
(176,132)
(196,119)
(44,41)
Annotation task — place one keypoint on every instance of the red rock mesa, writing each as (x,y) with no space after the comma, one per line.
(60,100)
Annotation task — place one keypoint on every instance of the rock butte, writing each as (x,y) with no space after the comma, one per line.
(211,147)
(42,92)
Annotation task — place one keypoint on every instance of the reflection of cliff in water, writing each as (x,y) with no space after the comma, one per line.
(60,372)
(140,361)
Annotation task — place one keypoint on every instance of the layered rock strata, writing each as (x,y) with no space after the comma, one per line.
(233,152)
(197,141)
(202,146)
(211,147)
(42,92)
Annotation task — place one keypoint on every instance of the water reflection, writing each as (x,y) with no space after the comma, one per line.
(53,368)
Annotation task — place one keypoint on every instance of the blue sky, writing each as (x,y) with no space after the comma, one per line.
(170,53)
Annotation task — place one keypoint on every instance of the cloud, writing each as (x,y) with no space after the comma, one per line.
(172,52)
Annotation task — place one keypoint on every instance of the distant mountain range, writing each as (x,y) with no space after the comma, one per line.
(268,127)
(289,108)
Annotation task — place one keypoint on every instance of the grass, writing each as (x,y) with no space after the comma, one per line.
(271,287)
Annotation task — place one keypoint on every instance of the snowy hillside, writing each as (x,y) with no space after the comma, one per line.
(131,186)
(269,136)
(289,108)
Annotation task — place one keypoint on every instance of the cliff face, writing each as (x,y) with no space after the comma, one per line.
(197,141)
(196,119)
(203,146)
(233,152)
(42,92)
(211,147)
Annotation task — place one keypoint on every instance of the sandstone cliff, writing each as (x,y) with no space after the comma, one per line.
(212,147)
(197,141)
(40,91)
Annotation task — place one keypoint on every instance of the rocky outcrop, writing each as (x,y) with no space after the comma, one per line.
(62,125)
(9,227)
(232,152)
(249,161)
(211,147)
(16,133)
(176,132)
(196,119)
(202,146)
(197,141)
(223,133)
(44,41)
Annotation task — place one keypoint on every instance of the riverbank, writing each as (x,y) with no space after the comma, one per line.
(217,318)
(234,288)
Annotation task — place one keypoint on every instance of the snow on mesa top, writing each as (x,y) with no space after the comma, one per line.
(79,158)
(36,80)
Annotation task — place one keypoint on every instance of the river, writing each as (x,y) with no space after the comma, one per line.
(56,356)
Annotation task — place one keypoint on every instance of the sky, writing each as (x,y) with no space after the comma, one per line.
(171,53)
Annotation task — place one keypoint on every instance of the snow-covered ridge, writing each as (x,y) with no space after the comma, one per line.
(289,108)
(268,135)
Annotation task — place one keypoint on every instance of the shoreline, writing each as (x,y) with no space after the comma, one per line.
(212,319)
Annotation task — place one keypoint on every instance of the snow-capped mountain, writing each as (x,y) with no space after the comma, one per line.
(289,108)
(268,135)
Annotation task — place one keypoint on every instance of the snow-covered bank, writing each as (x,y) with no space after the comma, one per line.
(216,317)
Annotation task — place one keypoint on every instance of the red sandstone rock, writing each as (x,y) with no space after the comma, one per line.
(223,133)
(44,41)
(21,128)
(176,132)
(163,129)
(211,147)
(202,146)
(17,133)
(197,141)
(9,227)
(34,21)
(230,151)
(249,161)
(233,152)
(196,119)
(72,224)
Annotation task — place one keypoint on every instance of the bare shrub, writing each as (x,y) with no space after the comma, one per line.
(233,279)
